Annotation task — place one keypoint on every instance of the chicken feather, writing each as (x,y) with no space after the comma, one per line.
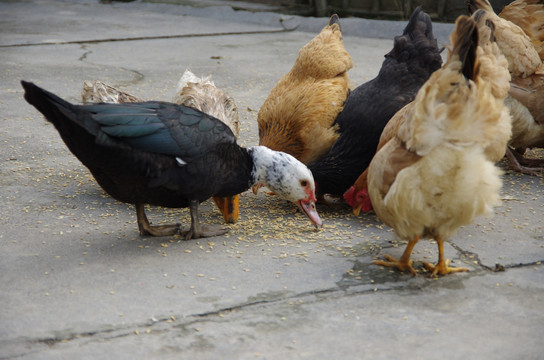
(512,41)
(528,15)
(527,70)
(434,176)
(493,68)
(414,57)
(298,115)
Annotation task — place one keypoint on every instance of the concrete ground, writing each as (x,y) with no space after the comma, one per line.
(78,282)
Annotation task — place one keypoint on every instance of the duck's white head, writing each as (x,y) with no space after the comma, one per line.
(287,177)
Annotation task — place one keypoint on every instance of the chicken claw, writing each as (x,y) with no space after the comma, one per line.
(404,263)
(396,263)
(443,268)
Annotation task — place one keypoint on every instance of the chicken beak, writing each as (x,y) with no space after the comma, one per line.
(229,207)
(357,210)
(308,208)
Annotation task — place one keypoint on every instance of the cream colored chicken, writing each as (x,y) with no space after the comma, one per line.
(434,176)
(298,115)
(493,69)
(527,84)
(192,91)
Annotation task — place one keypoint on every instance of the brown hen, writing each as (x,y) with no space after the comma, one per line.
(527,85)
(298,115)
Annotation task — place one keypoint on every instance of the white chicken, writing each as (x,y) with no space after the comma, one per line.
(434,176)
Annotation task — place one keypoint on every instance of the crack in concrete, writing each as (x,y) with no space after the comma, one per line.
(470,255)
(84,56)
(138,76)
(123,331)
(155,37)
(498,267)
(190,320)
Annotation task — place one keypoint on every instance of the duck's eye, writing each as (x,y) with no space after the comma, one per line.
(304,183)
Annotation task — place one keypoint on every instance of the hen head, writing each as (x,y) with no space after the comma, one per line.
(358,200)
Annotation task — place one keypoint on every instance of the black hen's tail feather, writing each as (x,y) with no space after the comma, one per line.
(417,43)
(419,21)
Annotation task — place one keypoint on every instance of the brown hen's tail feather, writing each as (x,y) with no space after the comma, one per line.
(480,16)
(473,5)
(465,43)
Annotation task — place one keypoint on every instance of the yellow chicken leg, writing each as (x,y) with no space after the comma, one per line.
(404,263)
(442,267)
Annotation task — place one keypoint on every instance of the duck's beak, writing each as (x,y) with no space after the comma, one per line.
(229,207)
(308,208)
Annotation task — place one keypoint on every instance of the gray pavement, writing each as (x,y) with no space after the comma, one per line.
(78,282)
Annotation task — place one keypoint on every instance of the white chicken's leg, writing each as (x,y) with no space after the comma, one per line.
(442,267)
(404,263)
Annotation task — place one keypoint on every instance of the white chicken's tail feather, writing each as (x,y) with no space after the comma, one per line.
(458,106)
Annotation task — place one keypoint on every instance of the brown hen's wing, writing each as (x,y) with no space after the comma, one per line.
(528,15)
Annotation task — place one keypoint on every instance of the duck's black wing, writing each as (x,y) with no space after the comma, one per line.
(154,127)
(131,148)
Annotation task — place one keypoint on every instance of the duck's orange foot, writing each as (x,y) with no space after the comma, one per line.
(397,264)
(443,268)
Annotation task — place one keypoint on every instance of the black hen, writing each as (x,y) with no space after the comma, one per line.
(415,56)
(169,155)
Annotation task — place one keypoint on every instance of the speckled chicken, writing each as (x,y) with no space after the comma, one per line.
(192,91)
(298,115)
(434,176)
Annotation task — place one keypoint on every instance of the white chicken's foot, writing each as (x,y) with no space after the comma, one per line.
(402,264)
(442,267)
